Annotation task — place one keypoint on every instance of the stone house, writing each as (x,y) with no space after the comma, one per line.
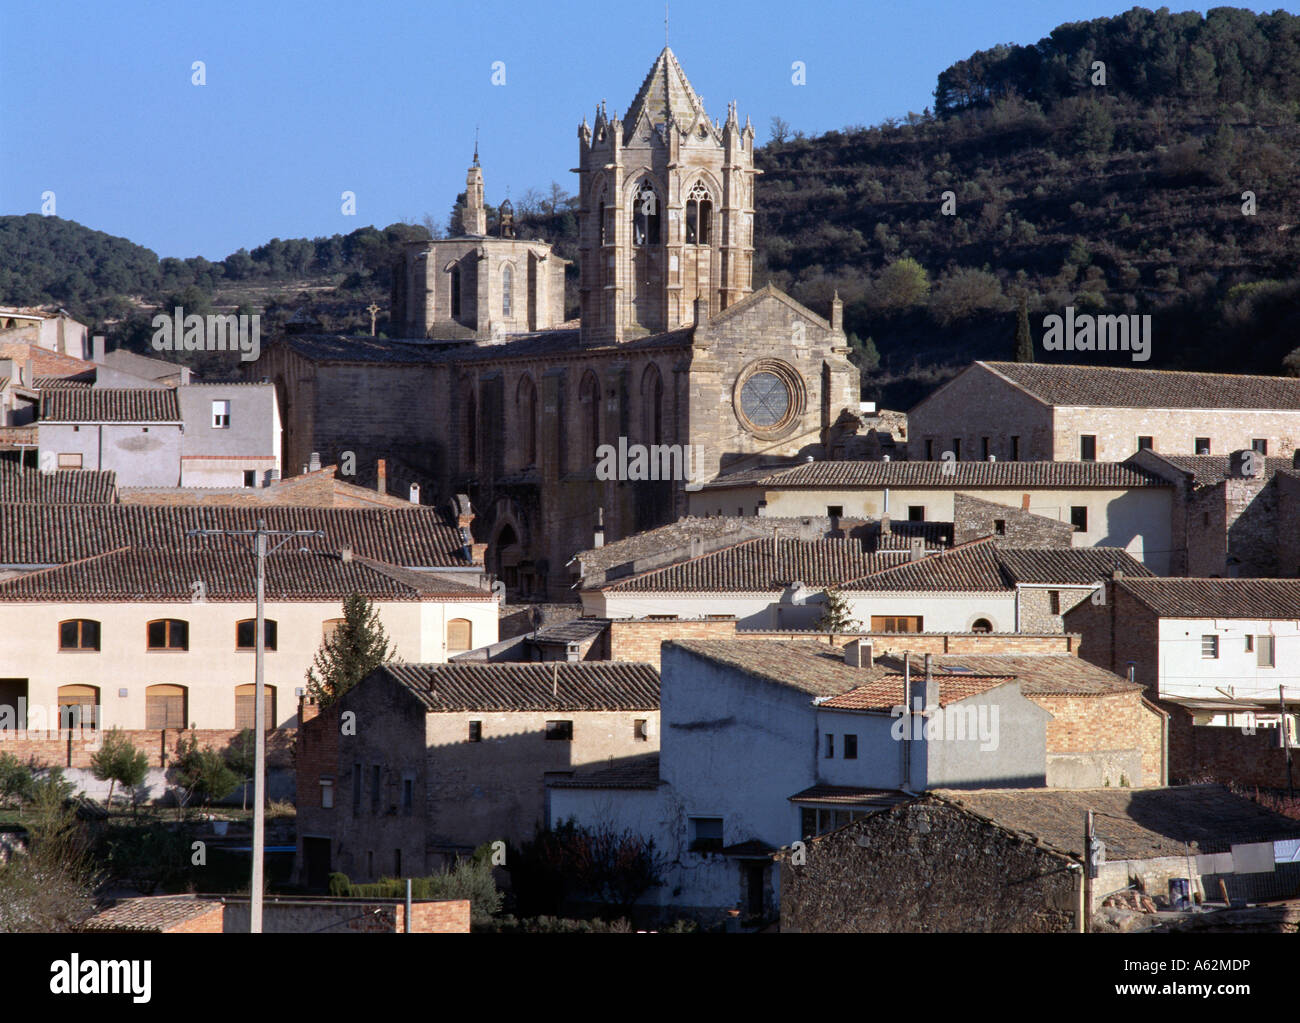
(446,757)
(676,355)
(764,742)
(1013,861)
(1036,412)
(1107,504)
(51,328)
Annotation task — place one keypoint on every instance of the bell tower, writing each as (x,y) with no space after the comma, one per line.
(666,211)
(474,219)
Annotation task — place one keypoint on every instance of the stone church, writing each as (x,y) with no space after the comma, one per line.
(487,392)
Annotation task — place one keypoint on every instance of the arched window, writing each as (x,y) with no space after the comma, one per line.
(981,625)
(168,634)
(79,634)
(246,634)
(455,292)
(460,635)
(330,626)
(652,405)
(645,215)
(589,401)
(78,707)
(246,706)
(165,707)
(507,289)
(526,406)
(699,212)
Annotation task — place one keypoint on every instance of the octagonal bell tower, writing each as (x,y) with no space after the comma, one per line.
(666,211)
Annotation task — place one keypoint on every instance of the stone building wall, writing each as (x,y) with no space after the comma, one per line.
(974,405)
(1118,632)
(974,518)
(1107,724)
(1225,753)
(926,867)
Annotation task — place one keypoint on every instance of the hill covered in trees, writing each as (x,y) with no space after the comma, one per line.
(1103,167)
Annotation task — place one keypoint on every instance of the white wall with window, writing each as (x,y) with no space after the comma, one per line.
(1218,658)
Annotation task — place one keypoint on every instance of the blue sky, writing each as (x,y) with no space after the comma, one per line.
(306,100)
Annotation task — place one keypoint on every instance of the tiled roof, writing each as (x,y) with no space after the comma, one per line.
(1210,470)
(885,692)
(639,772)
(111,405)
(154,913)
(1217,598)
(83,380)
(86,486)
(147,575)
(52,535)
(762,565)
(575,630)
(935,536)
(559,686)
(848,795)
(1078,565)
(951,475)
(1039,674)
(1108,387)
(982,566)
(1133,823)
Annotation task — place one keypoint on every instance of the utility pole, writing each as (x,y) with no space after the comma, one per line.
(260,536)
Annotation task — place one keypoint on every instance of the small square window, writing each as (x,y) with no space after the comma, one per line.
(1054,601)
(1000,527)
(850,747)
(221,415)
(1088,448)
(835,511)
(1264,653)
(641,730)
(70,461)
(706,834)
(250,477)
(1210,647)
(1015,449)
(1260,445)
(1250,644)
(559,731)
(830,747)
(476,731)
(1202,446)
(1146,443)
(916,513)
(1079,518)
(327,793)
(929,450)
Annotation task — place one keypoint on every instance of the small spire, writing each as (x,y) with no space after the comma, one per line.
(476,145)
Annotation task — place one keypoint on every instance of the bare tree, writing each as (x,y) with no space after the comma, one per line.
(780,130)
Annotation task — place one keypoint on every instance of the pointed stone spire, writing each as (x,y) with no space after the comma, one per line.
(474,219)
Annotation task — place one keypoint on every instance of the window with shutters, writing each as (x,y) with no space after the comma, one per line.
(330,626)
(165,707)
(78,707)
(79,634)
(246,634)
(897,623)
(1264,652)
(168,634)
(1210,647)
(460,635)
(246,706)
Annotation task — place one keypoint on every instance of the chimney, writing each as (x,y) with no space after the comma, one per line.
(701,313)
(275,475)
(30,380)
(97,347)
(931,686)
(598,537)
(837,313)
(918,549)
(415,493)
(858,654)
(697,547)
(884,525)
(345,554)
(571,652)
(313,464)
(1024,502)
(381,476)
(993,458)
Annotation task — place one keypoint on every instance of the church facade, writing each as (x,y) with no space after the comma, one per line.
(486,394)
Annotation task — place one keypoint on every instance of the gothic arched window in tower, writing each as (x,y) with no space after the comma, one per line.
(645,215)
(526,405)
(589,400)
(507,289)
(699,211)
(652,405)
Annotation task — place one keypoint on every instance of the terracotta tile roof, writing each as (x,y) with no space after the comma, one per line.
(679,534)
(77,380)
(1108,387)
(848,795)
(982,566)
(52,534)
(575,630)
(154,913)
(559,686)
(153,575)
(762,565)
(1210,470)
(85,486)
(44,362)
(639,772)
(833,475)
(1133,823)
(885,692)
(1039,674)
(1217,598)
(111,405)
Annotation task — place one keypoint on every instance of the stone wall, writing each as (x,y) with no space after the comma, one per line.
(74,748)
(927,867)
(1226,753)
(1119,723)
(974,518)
(640,639)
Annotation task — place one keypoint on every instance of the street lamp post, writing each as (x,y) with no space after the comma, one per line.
(260,536)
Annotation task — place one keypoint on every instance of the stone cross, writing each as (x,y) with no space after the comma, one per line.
(373,310)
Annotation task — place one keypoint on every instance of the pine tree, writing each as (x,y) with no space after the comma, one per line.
(1024,343)
(838,617)
(357,647)
(119,761)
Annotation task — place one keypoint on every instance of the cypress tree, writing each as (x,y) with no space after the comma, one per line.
(358,646)
(1024,343)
